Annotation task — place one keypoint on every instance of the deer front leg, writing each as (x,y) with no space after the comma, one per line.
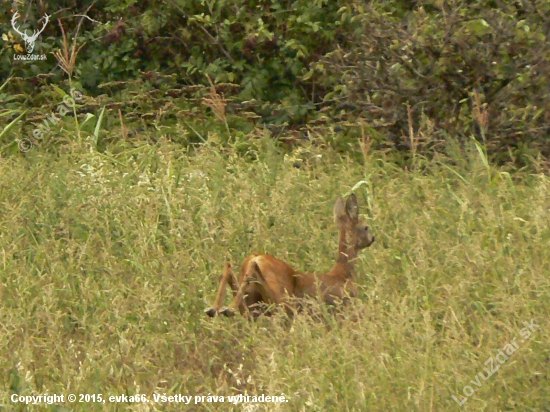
(238,299)
(227,278)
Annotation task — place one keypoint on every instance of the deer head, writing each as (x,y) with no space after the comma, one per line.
(354,234)
(29,40)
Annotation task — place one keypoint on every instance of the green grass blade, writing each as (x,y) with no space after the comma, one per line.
(11,124)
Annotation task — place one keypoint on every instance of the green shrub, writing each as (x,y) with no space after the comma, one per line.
(464,68)
(415,72)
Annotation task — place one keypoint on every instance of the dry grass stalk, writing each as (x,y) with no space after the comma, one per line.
(67,57)
(480,113)
(216,102)
(413,139)
(366,143)
(123,126)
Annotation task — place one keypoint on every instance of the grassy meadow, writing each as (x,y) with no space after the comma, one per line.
(108,260)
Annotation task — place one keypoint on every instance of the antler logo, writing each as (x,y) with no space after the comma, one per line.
(29,40)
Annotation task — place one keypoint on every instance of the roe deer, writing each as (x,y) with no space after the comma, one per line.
(266,279)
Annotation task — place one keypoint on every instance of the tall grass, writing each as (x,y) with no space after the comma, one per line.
(107,262)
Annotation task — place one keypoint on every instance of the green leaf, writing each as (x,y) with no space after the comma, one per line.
(59,91)
(98,125)
(11,124)
(479,27)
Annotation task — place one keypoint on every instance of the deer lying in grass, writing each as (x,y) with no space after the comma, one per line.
(268,280)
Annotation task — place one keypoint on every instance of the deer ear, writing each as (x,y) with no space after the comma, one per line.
(340,209)
(352,207)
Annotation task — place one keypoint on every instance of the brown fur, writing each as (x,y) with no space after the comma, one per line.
(267,280)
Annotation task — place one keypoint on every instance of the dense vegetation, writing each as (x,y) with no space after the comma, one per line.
(434,70)
(160,138)
(107,264)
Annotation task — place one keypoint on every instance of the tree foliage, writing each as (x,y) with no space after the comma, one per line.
(437,68)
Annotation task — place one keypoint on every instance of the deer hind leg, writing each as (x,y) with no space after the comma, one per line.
(254,305)
(227,278)
(256,294)
(250,294)
(246,298)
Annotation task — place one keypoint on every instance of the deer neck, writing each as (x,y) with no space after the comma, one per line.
(346,256)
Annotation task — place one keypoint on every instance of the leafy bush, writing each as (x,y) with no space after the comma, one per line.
(418,73)
(463,68)
(262,46)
